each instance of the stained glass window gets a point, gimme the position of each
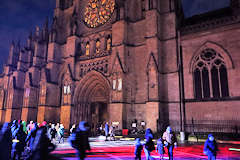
(98, 46)
(87, 49)
(98, 12)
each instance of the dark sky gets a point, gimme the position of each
(19, 17)
(192, 7)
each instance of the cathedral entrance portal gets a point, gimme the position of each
(91, 101)
(99, 115)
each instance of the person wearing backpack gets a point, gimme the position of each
(79, 140)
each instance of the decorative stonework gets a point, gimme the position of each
(100, 66)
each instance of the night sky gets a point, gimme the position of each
(19, 17)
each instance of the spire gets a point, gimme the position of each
(29, 40)
(11, 53)
(37, 32)
(46, 24)
(57, 3)
(12, 44)
(54, 23)
(30, 35)
(12, 47)
(18, 47)
(45, 30)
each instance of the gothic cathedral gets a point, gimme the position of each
(126, 61)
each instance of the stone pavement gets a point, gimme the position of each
(124, 150)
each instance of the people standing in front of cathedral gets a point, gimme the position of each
(31, 136)
(210, 148)
(106, 129)
(112, 132)
(138, 149)
(14, 126)
(24, 127)
(170, 141)
(79, 140)
(101, 129)
(5, 142)
(42, 145)
(30, 126)
(18, 144)
(149, 145)
(57, 128)
(52, 132)
(61, 131)
(160, 147)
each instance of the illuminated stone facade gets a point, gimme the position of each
(144, 62)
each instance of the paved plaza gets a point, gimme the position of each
(124, 150)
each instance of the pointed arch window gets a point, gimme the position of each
(26, 97)
(109, 44)
(114, 84)
(98, 46)
(27, 92)
(66, 93)
(210, 75)
(42, 94)
(87, 52)
(10, 98)
(117, 82)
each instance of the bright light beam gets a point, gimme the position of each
(234, 149)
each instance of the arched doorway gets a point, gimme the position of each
(91, 100)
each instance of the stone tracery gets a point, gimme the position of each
(210, 75)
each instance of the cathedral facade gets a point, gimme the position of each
(126, 61)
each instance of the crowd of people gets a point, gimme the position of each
(169, 141)
(35, 141)
(21, 141)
